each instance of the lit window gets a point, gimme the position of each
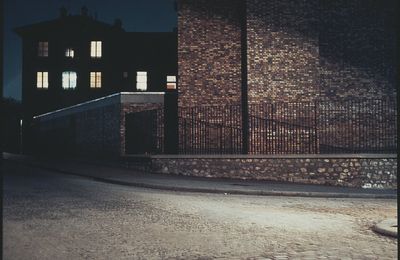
(69, 79)
(141, 80)
(95, 49)
(69, 53)
(125, 74)
(95, 79)
(171, 82)
(43, 49)
(42, 79)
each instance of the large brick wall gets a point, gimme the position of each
(282, 40)
(296, 50)
(209, 52)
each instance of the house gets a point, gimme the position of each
(76, 58)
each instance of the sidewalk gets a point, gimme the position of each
(116, 174)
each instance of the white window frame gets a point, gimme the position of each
(70, 53)
(95, 79)
(43, 49)
(69, 79)
(141, 80)
(42, 80)
(96, 49)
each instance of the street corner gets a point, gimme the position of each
(387, 227)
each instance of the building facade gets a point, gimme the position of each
(289, 51)
(76, 58)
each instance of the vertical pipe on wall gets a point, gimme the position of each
(244, 101)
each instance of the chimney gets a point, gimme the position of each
(84, 11)
(118, 23)
(63, 12)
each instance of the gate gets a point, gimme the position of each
(144, 132)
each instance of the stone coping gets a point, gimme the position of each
(266, 156)
(116, 98)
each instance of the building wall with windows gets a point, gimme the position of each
(76, 58)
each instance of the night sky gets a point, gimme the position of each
(136, 16)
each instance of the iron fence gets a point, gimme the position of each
(351, 126)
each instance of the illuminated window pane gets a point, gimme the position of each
(43, 49)
(95, 49)
(69, 53)
(125, 74)
(42, 79)
(171, 82)
(141, 80)
(95, 79)
(69, 79)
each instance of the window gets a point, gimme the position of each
(171, 82)
(141, 80)
(95, 79)
(42, 79)
(95, 49)
(69, 79)
(69, 53)
(125, 74)
(43, 49)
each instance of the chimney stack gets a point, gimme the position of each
(63, 12)
(84, 11)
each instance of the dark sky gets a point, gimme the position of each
(136, 15)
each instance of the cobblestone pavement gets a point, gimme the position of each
(53, 216)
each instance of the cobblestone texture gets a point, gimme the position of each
(51, 216)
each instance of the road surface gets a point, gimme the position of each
(48, 215)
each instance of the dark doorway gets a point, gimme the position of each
(142, 132)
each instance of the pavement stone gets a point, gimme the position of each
(116, 173)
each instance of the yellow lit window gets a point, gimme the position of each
(171, 82)
(43, 49)
(95, 49)
(95, 79)
(42, 79)
(141, 80)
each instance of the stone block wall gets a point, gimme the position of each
(345, 170)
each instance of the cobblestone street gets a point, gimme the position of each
(53, 216)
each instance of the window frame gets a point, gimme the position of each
(96, 49)
(69, 79)
(43, 83)
(141, 80)
(43, 49)
(95, 79)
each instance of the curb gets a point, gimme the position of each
(216, 191)
(387, 227)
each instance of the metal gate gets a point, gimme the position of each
(144, 132)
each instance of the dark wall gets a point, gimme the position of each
(296, 50)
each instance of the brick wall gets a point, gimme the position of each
(282, 40)
(297, 51)
(209, 52)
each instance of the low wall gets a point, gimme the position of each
(350, 170)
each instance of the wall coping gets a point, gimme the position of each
(274, 156)
(116, 98)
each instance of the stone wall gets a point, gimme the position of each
(368, 171)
